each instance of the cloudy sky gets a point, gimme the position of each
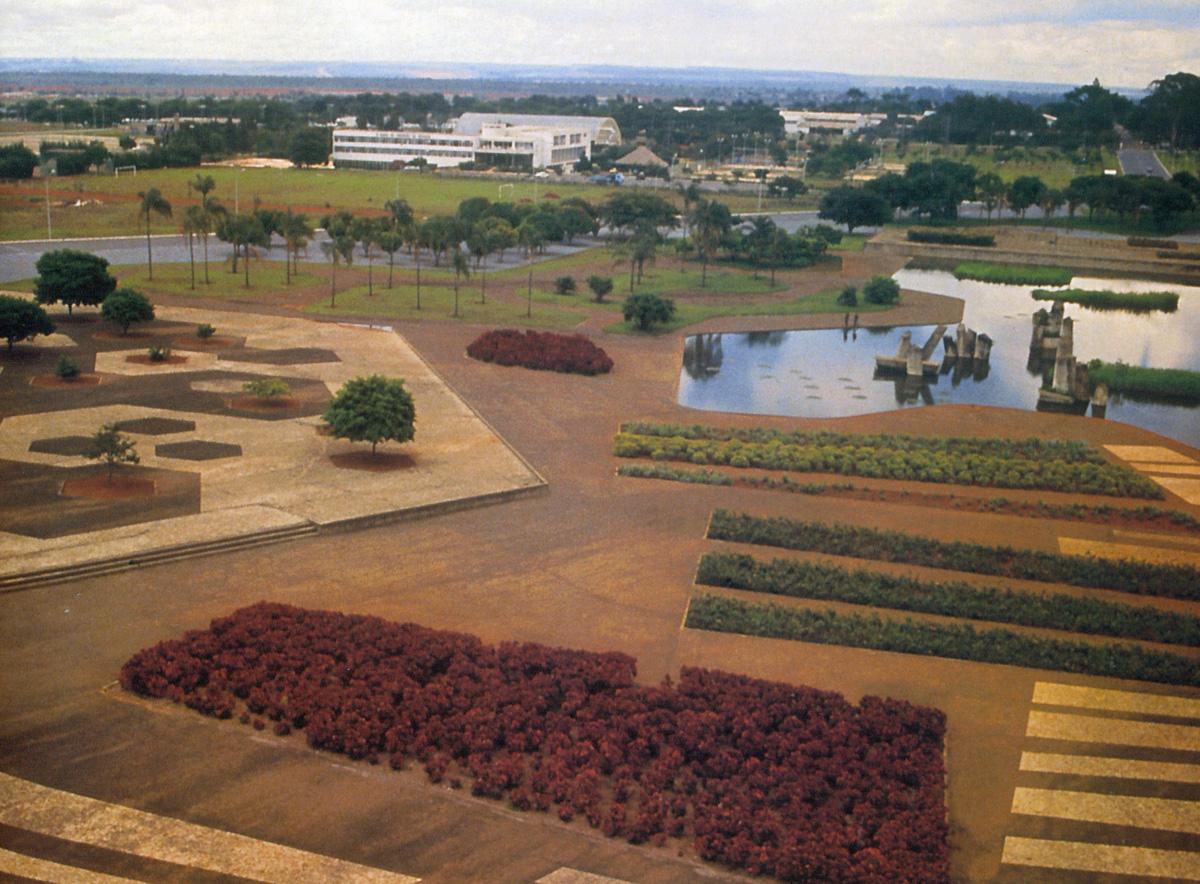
(1125, 43)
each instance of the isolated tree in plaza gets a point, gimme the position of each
(21, 319)
(854, 208)
(645, 310)
(152, 203)
(310, 146)
(71, 277)
(372, 409)
(112, 447)
(124, 307)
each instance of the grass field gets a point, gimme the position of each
(110, 202)
(1049, 164)
(175, 279)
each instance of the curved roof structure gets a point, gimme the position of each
(603, 130)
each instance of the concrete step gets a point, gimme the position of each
(172, 553)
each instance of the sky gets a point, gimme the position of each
(1126, 43)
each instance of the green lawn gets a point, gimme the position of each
(688, 314)
(437, 302)
(175, 279)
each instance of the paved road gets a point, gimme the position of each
(1141, 161)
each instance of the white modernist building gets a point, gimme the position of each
(499, 145)
(601, 130)
(802, 122)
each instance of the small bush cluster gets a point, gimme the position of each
(544, 351)
(1013, 274)
(950, 238)
(661, 471)
(1173, 581)
(66, 367)
(823, 582)
(770, 778)
(1104, 299)
(1167, 384)
(204, 331)
(159, 354)
(957, 641)
(564, 285)
(876, 457)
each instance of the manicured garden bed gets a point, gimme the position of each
(1106, 299)
(824, 582)
(988, 463)
(766, 777)
(1173, 581)
(1013, 274)
(951, 238)
(546, 351)
(961, 642)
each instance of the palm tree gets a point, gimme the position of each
(194, 224)
(339, 248)
(212, 212)
(711, 221)
(153, 203)
(204, 184)
(462, 269)
(480, 244)
(391, 241)
(530, 236)
(295, 230)
(365, 231)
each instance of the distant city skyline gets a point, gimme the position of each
(1069, 41)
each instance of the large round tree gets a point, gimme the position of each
(71, 277)
(21, 319)
(372, 409)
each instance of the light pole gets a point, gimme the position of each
(48, 169)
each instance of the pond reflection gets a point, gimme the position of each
(831, 373)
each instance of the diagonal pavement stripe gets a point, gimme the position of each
(1177, 865)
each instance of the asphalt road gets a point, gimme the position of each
(1141, 161)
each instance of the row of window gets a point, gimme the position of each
(402, 139)
(407, 151)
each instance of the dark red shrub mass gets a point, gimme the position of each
(767, 777)
(546, 351)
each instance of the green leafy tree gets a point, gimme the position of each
(854, 207)
(112, 447)
(242, 232)
(310, 146)
(1025, 192)
(124, 307)
(600, 286)
(848, 297)
(372, 409)
(72, 277)
(646, 310)
(991, 190)
(21, 319)
(881, 290)
(296, 232)
(152, 203)
(1171, 112)
(17, 161)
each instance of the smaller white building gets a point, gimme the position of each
(497, 145)
(802, 122)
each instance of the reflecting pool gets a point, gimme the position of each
(832, 373)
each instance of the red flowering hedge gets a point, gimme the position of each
(545, 351)
(767, 777)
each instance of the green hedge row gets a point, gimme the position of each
(1169, 384)
(961, 642)
(1106, 299)
(1148, 242)
(1013, 274)
(886, 463)
(660, 471)
(948, 238)
(822, 582)
(1173, 581)
(1028, 448)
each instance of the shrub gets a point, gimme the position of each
(1173, 581)
(848, 297)
(564, 285)
(814, 580)
(962, 642)
(204, 331)
(267, 388)
(951, 238)
(159, 354)
(21, 319)
(600, 286)
(646, 310)
(756, 772)
(543, 351)
(66, 367)
(881, 290)
(112, 447)
(124, 307)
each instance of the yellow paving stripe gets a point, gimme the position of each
(1099, 766)
(1178, 865)
(1177, 539)
(1167, 814)
(1153, 453)
(1174, 469)
(1188, 489)
(1086, 729)
(1052, 694)
(44, 870)
(1079, 546)
(73, 817)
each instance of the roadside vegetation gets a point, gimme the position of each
(1105, 299)
(1156, 384)
(1012, 274)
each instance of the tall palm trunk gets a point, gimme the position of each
(149, 256)
(207, 281)
(192, 258)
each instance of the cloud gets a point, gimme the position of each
(1071, 41)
